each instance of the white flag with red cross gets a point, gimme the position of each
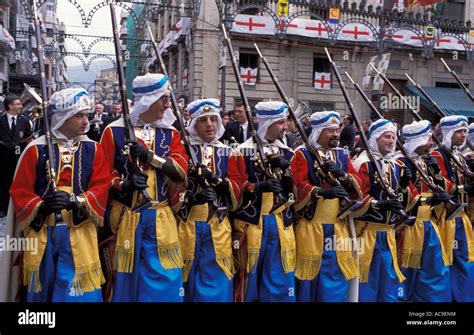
(322, 80)
(253, 24)
(248, 75)
(309, 28)
(356, 32)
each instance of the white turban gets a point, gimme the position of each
(471, 133)
(416, 134)
(65, 104)
(147, 90)
(204, 107)
(269, 112)
(451, 124)
(321, 121)
(376, 130)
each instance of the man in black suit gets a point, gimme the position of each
(14, 132)
(116, 114)
(237, 131)
(97, 119)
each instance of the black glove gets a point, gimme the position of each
(222, 188)
(331, 167)
(432, 164)
(389, 205)
(469, 189)
(138, 150)
(137, 181)
(54, 202)
(332, 193)
(209, 175)
(437, 198)
(405, 177)
(271, 185)
(205, 196)
(279, 162)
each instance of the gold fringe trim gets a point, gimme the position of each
(188, 262)
(288, 259)
(31, 276)
(92, 214)
(307, 267)
(253, 258)
(411, 259)
(124, 259)
(88, 279)
(170, 256)
(348, 266)
(226, 263)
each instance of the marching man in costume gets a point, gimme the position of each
(423, 260)
(207, 245)
(148, 260)
(323, 273)
(270, 236)
(66, 266)
(457, 234)
(380, 274)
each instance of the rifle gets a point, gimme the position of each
(347, 205)
(195, 166)
(454, 208)
(143, 199)
(460, 165)
(50, 164)
(461, 84)
(261, 160)
(405, 219)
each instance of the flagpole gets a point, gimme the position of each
(223, 69)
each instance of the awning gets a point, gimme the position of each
(453, 101)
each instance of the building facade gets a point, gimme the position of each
(294, 41)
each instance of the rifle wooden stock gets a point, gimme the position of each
(129, 133)
(174, 103)
(460, 165)
(460, 83)
(386, 188)
(245, 101)
(214, 206)
(51, 166)
(346, 203)
(427, 179)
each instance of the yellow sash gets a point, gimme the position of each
(254, 237)
(369, 235)
(413, 238)
(447, 231)
(221, 239)
(88, 274)
(310, 240)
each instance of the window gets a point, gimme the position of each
(321, 65)
(453, 9)
(321, 106)
(248, 58)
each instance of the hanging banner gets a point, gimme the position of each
(283, 8)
